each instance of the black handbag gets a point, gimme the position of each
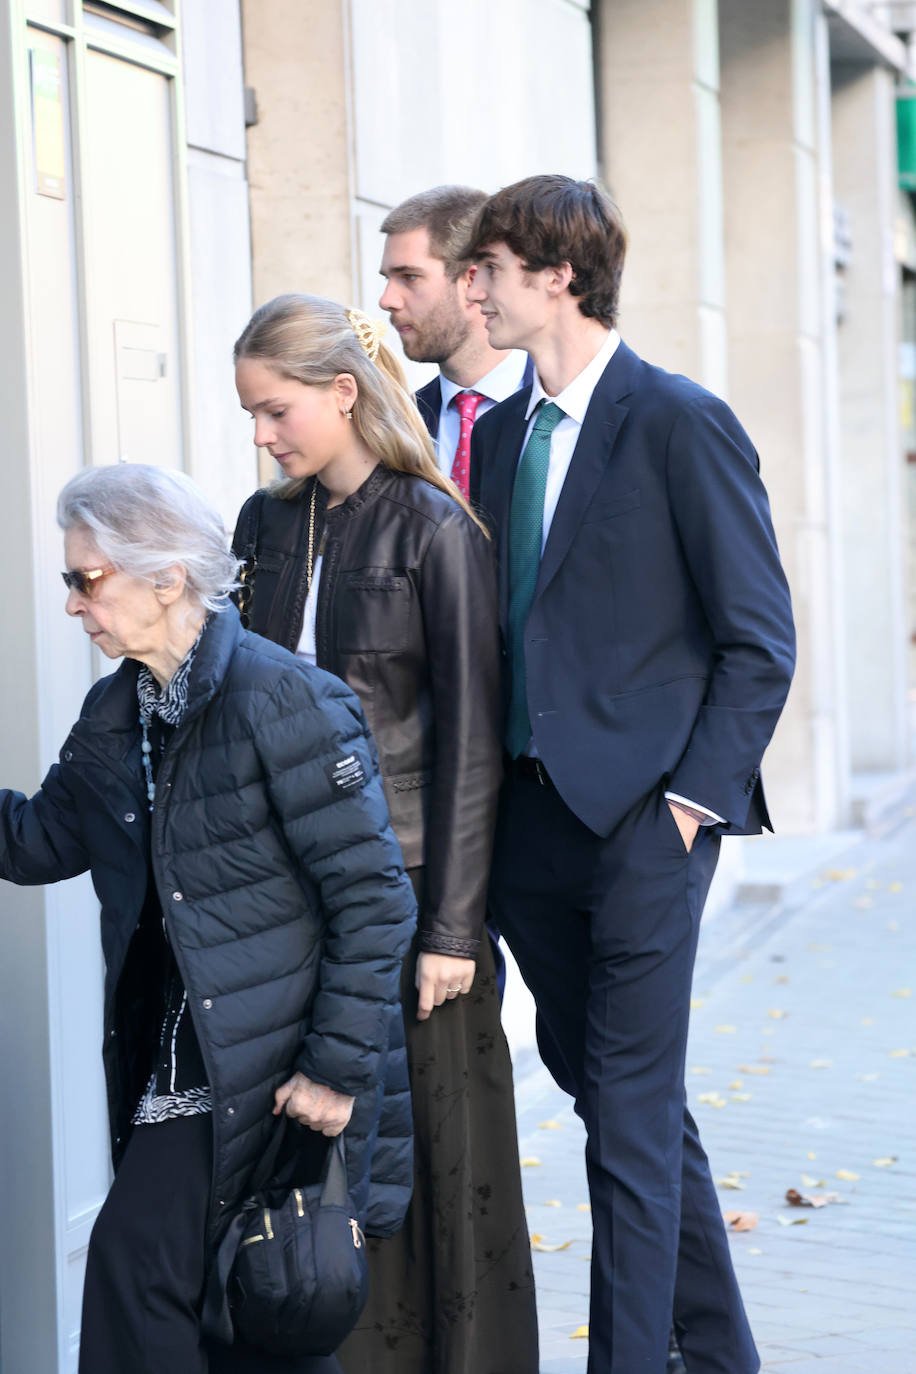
(291, 1274)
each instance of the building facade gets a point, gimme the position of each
(125, 271)
(164, 165)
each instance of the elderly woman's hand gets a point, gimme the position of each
(314, 1105)
(441, 978)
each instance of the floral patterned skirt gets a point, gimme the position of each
(453, 1291)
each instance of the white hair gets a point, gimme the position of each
(145, 519)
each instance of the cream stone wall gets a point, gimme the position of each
(779, 337)
(874, 503)
(660, 141)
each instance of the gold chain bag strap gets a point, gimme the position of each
(244, 597)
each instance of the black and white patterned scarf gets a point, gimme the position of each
(171, 703)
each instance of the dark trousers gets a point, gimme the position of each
(145, 1267)
(605, 934)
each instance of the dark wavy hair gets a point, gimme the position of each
(549, 220)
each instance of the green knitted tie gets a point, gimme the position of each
(526, 523)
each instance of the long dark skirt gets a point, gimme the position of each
(453, 1291)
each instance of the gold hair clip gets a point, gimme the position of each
(369, 332)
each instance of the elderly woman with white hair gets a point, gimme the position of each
(254, 911)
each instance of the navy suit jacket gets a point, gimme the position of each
(429, 400)
(660, 646)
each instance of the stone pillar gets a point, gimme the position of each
(864, 151)
(659, 147)
(299, 172)
(778, 251)
(299, 152)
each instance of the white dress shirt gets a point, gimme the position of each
(497, 385)
(574, 400)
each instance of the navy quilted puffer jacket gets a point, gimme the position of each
(281, 886)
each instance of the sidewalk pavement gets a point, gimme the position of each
(802, 1075)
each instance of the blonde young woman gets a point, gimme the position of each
(366, 560)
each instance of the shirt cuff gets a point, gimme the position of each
(713, 819)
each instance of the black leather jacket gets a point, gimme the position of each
(407, 617)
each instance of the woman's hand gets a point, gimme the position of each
(314, 1105)
(441, 978)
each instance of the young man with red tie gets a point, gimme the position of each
(426, 299)
(649, 651)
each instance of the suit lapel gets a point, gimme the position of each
(429, 404)
(597, 437)
(497, 481)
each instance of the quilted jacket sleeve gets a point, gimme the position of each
(322, 776)
(40, 836)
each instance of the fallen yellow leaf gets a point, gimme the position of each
(791, 1221)
(726, 1030)
(741, 1097)
(812, 1155)
(580, 1334)
(902, 992)
(553, 1202)
(698, 1069)
(898, 1054)
(583, 1206)
(730, 1181)
(809, 1182)
(847, 1175)
(550, 1126)
(713, 1099)
(740, 1221)
(753, 1068)
(747, 978)
(867, 1021)
(529, 1162)
(539, 1243)
(895, 887)
(839, 875)
(885, 1162)
(777, 1014)
(755, 1252)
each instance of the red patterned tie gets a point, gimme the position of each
(466, 403)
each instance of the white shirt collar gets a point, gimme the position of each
(574, 398)
(500, 382)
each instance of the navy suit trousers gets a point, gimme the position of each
(605, 934)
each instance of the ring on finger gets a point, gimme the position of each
(457, 989)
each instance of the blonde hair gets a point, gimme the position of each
(313, 340)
